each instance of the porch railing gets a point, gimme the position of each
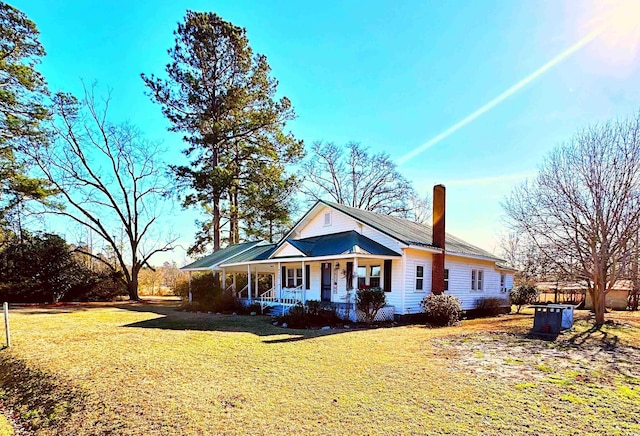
(241, 291)
(267, 297)
(291, 296)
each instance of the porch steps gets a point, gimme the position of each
(276, 310)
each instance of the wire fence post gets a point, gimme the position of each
(6, 323)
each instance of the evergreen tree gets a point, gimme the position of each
(221, 96)
(22, 109)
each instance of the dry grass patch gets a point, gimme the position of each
(146, 369)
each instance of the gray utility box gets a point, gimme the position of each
(547, 319)
(567, 314)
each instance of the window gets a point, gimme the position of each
(362, 276)
(503, 278)
(294, 277)
(291, 278)
(298, 277)
(476, 280)
(327, 219)
(419, 277)
(374, 276)
(446, 279)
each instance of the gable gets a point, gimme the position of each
(287, 250)
(316, 225)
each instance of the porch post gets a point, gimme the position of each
(249, 282)
(278, 284)
(304, 285)
(355, 282)
(190, 294)
(256, 285)
(224, 280)
(233, 284)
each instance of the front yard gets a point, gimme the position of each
(147, 369)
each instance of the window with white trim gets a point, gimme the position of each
(327, 218)
(374, 276)
(291, 277)
(419, 277)
(298, 277)
(477, 276)
(362, 277)
(503, 284)
(446, 279)
(294, 277)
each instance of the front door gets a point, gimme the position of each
(325, 282)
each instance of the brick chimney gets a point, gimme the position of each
(438, 239)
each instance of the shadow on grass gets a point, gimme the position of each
(595, 336)
(172, 319)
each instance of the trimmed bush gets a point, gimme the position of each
(296, 318)
(442, 310)
(523, 295)
(312, 314)
(369, 302)
(491, 306)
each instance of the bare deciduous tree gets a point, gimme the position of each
(352, 176)
(109, 180)
(582, 210)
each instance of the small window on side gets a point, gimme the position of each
(327, 218)
(419, 277)
(446, 279)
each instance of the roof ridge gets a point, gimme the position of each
(376, 220)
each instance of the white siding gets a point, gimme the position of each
(287, 250)
(413, 297)
(460, 280)
(394, 298)
(314, 292)
(316, 227)
(344, 223)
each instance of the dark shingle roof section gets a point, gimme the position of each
(219, 256)
(340, 243)
(259, 252)
(409, 232)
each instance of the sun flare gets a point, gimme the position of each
(619, 22)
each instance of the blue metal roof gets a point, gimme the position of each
(220, 256)
(340, 243)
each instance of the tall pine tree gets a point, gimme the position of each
(22, 109)
(222, 97)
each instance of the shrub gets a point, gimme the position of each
(490, 306)
(296, 317)
(522, 295)
(369, 302)
(442, 310)
(312, 314)
(201, 284)
(253, 307)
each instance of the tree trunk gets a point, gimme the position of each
(598, 298)
(132, 288)
(216, 223)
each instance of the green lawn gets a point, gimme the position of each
(147, 369)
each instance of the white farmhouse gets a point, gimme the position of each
(335, 249)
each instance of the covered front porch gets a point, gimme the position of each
(332, 280)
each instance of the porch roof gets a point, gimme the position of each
(259, 252)
(222, 255)
(350, 242)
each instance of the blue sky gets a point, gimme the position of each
(390, 75)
